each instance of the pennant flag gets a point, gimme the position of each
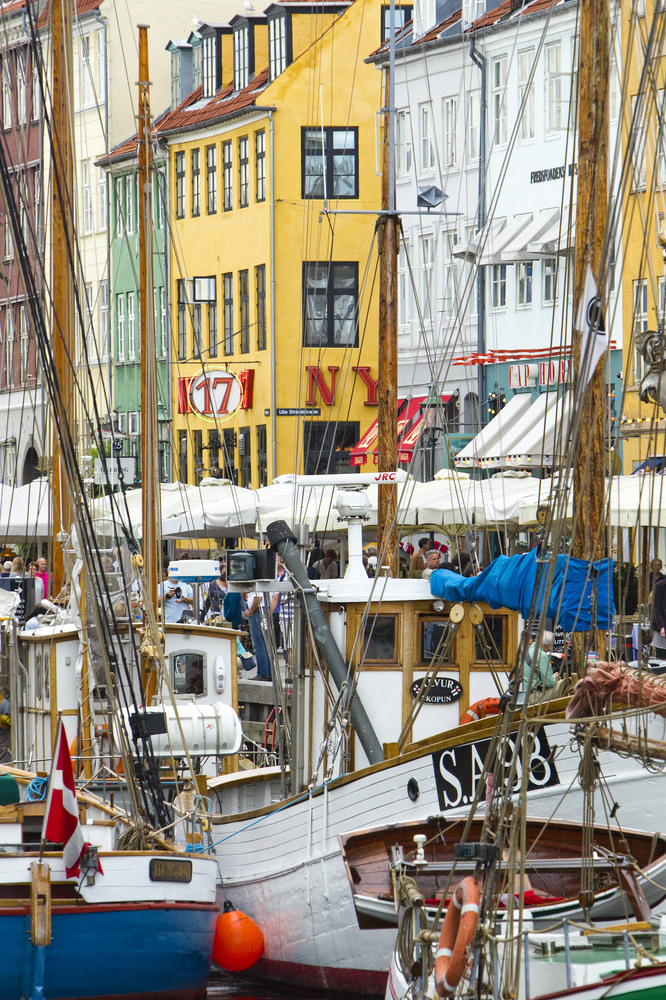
(61, 818)
(590, 323)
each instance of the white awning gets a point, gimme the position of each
(559, 237)
(490, 232)
(490, 438)
(517, 249)
(530, 436)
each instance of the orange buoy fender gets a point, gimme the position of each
(238, 942)
(480, 709)
(458, 932)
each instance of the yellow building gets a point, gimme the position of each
(644, 215)
(274, 266)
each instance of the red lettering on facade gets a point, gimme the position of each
(316, 381)
(226, 381)
(205, 385)
(246, 379)
(183, 389)
(369, 382)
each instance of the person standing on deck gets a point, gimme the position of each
(254, 619)
(417, 562)
(543, 677)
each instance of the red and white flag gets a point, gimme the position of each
(61, 818)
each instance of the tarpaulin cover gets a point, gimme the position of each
(512, 582)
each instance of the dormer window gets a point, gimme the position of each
(175, 79)
(197, 60)
(277, 46)
(403, 14)
(241, 57)
(471, 9)
(209, 52)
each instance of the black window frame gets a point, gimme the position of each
(245, 460)
(211, 179)
(182, 456)
(228, 314)
(262, 455)
(244, 310)
(228, 175)
(195, 182)
(180, 184)
(332, 292)
(407, 11)
(260, 305)
(260, 165)
(213, 345)
(229, 455)
(243, 171)
(311, 137)
(181, 300)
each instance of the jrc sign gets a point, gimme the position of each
(215, 394)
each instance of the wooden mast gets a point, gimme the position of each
(589, 473)
(387, 426)
(62, 230)
(149, 445)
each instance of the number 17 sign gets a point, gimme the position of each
(215, 394)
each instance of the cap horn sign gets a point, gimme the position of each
(216, 394)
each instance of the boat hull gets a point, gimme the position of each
(282, 864)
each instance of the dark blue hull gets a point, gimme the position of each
(153, 950)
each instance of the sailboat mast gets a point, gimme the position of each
(150, 468)
(589, 473)
(62, 230)
(387, 425)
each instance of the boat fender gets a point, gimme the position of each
(238, 942)
(458, 930)
(480, 709)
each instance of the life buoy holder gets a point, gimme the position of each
(480, 709)
(458, 930)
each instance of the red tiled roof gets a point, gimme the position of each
(11, 7)
(193, 112)
(508, 9)
(82, 7)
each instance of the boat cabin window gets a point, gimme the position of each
(432, 638)
(379, 638)
(495, 641)
(188, 673)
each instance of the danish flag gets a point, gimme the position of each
(61, 817)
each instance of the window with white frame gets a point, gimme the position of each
(89, 329)
(403, 133)
(499, 71)
(426, 139)
(404, 287)
(9, 240)
(450, 109)
(549, 273)
(119, 186)
(9, 347)
(243, 172)
(471, 9)
(102, 201)
(424, 16)
(21, 87)
(241, 57)
(175, 79)
(101, 65)
(104, 325)
(133, 423)
(197, 64)
(637, 139)
(260, 165)
(25, 342)
(211, 179)
(129, 203)
(209, 55)
(556, 89)
(6, 94)
(498, 286)
(36, 92)
(131, 327)
(277, 46)
(120, 321)
(524, 277)
(85, 79)
(449, 273)
(640, 324)
(526, 93)
(426, 252)
(86, 194)
(164, 324)
(473, 125)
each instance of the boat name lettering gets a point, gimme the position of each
(459, 769)
(442, 691)
(552, 173)
(172, 870)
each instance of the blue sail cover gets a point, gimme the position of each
(512, 582)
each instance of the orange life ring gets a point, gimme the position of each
(480, 709)
(458, 932)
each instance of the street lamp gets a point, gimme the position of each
(434, 425)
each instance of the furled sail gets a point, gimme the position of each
(520, 583)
